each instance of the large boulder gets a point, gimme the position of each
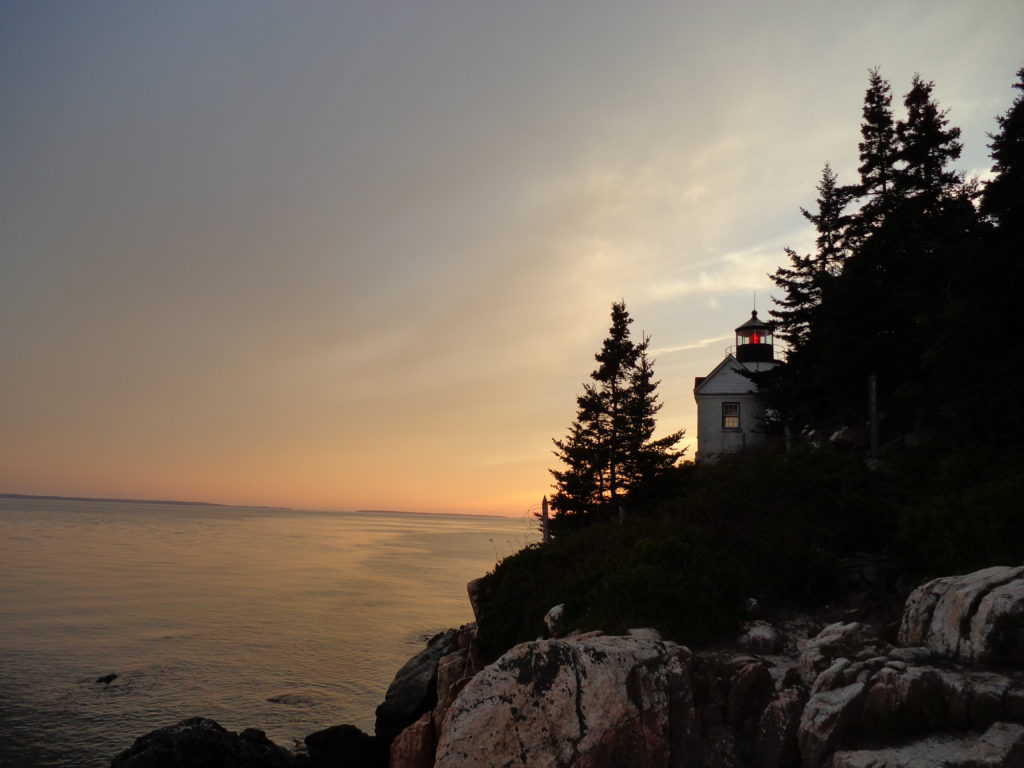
(575, 703)
(827, 718)
(202, 743)
(859, 703)
(976, 617)
(413, 692)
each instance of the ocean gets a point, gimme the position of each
(289, 621)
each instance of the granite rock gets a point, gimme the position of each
(597, 701)
(413, 692)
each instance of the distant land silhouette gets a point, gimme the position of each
(37, 497)
(128, 501)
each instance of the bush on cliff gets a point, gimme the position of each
(765, 526)
(612, 577)
(960, 510)
(769, 526)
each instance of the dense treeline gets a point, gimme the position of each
(913, 279)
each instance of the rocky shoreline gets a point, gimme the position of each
(943, 686)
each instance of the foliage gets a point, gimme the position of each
(960, 510)
(927, 144)
(610, 452)
(1004, 194)
(660, 573)
(904, 286)
(759, 525)
(769, 526)
(805, 284)
(806, 280)
(987, 317)
(878, 153)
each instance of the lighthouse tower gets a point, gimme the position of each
(729, 414)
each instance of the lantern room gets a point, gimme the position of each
(754, 343)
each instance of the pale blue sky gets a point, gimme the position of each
(346, 254)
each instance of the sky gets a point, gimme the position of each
(360, 255)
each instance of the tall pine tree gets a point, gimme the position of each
(647, 459)
(878, 154)
(610, 451)
(927, 145)
(889, 310)
(804, 281)
(1003, 200)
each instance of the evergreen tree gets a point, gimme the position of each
(927, 144)
(616, 361)
(805, 285)
(579, 487)
(878, 155)
(646, 458)
(804, 281)
(610, 450)
(987, 312)
(801, 295)
(889, 309)
(1003, 200)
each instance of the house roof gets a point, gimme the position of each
(725, 379)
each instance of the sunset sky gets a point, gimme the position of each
(361, 254)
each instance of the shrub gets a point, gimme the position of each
(758, 525)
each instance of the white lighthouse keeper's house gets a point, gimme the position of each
(729, 413)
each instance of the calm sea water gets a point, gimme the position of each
(287, 621)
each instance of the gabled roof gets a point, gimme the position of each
(726, 379)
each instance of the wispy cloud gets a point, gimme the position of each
(740, 271)
(701, 344)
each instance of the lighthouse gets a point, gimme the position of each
(730, 416)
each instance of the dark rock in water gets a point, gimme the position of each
(346, 745)
(107, 679)
(293, 700)
(413, 692)
(202, 743)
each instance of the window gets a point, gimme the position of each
(730, 415)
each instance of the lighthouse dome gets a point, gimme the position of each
(754, 342)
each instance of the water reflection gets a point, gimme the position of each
(288, 621)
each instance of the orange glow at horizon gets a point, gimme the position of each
(361, 256)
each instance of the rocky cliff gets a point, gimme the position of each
(949, 692)
(945, 690)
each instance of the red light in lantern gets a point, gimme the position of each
(755, 338)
